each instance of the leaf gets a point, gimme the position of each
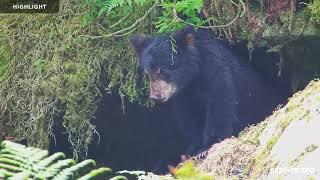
(86, 19)
(20, 162)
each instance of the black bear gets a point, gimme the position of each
(211, 90)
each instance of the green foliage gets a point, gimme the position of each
(108, 5)
(46, 77)
(5, 57)
(20, 162)
(188, 171)
(100, 7)
(315, 11)
(169, 20)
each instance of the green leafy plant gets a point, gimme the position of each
(108, 5)
(315, 11)
(188, 171)
(169, 19)
(99, 7)
(21, 162)
(5, 57)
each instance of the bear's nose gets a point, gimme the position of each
(156, 97)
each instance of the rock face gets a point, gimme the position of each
(285, 145)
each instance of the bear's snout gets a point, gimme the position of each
(156, 98)
(161, 91)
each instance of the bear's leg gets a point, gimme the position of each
(218, 122)
(188, 125)
(220, 107)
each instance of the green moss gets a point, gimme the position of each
(309, 148)
(260, 162)
(253, 133)
(294, 112)
(291, 106)
(284, 123)
(5, 57)
(272, 141)
(188, 171)
(314, 8)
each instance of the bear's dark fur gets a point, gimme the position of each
(211, 90)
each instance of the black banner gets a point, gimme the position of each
(29, 6)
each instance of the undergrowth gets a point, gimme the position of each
(188, 171)
(20, 162)
(315, 11)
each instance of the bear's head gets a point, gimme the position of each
(170, 62)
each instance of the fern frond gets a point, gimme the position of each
(51, 159)
(10, 168)
(119, 178)
(20, 176)
(69, 172)
(39, 155)
(109, 5)
(10, 161)
(20, 162)
(54, 169)
(96, 173)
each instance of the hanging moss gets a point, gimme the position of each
(53, 71)
(315, 11)
(5, 57)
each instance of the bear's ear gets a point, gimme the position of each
(139, 43)
(189, 39)
(185, 36)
